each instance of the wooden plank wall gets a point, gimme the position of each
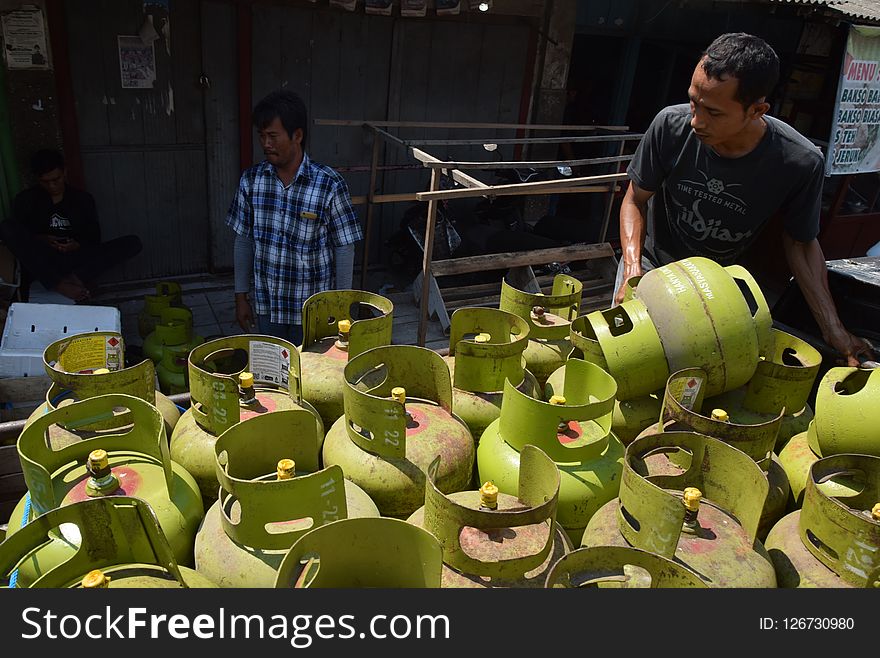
(143, 150)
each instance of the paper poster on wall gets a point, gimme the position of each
(24, 39)
(137, 63)
(854, 146)
(379, 7)
(417, 8)
(448, 7)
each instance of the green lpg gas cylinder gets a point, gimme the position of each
(491, 539)
(172, 370)
(683, 411)
(118, 543)
(398, 418)
(847, 420)
(174, 330)
(485, 349)
(168, 294)
(575, 432)
(133, 461)
(272, 491)
(549, 318)
(619, 567)
(337, 326)
(660, 510)
(692, 312)
(87, 365)
(232, 379)
(363, 553)
(834, 540)
(783, 379)
(630, 416)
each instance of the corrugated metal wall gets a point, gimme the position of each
(352, 66)
(164, 163)
(143, 149)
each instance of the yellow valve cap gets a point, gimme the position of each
(720, 415)
(98, 459)
(489, 495)
(482, 338)
(286, 469)
(95, 580)
(875, 512)
(246, 379)
(101, 371)
(399, 394)
(344, 326)
(692, 497)
(557, 399)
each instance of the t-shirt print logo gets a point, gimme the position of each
(57, 221)
(703, 228)
(715, 191)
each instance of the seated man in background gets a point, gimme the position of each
(55, 234)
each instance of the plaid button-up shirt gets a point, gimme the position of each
(295, 230)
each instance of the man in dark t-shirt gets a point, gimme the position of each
(55, 234)
(708, 176)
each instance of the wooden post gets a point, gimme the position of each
(609, 204)
(371, 206)
(426, 260)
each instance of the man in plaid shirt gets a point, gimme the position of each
(294, 224)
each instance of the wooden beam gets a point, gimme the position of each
(548, 187)
(385, 198)
(525, 164)
(371, 206)
(426, 261)
(573, 252)
(465, 125)
(457, 176)
(574, 139)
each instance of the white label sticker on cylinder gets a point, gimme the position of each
(269, 362)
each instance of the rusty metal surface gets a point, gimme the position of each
(474, 539)
(795, 565)
(651, 513)
(193, 447)
(397, 484)
(619, 567)
(112, 532)
(372, 552)
(478, 410)
(629, 417)
(231, 564)
(483, 367)
(722, 555)
(835, 522)
(683, 408)
(323, 311)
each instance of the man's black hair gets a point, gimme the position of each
(287, 106)
(46, 160)
(747, 58)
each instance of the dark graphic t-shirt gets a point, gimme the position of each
(712, 206)
(75, 216)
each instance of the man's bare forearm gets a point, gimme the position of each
(633, 221)
(807, 263)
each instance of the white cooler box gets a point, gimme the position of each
(30, 328)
